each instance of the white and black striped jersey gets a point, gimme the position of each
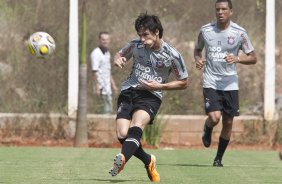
(152, 65)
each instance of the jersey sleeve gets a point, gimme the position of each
(200, 43)
(127, 50)
(95, 60)
(246, 44)
(178, 66)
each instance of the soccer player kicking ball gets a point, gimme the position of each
(222, 41)
(141, 93)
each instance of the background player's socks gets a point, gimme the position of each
(222, 145)
(132, 142)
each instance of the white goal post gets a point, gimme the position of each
(73, 59)
(269, 82)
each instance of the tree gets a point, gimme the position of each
(81, 135)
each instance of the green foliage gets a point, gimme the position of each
(279, 131)
(153, 132)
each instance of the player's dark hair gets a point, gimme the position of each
(227, 1)
(151, 22)
(103, 32)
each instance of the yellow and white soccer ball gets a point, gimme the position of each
(41, 44)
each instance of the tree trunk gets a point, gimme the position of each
(81, 134)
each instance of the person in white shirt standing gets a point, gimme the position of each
(101, 67)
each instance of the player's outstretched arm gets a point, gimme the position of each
(119, 60)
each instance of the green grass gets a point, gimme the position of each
(91, 165)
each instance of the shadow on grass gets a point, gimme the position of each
(111, 180)
(206, 165)
(105, 180)
(187, 165)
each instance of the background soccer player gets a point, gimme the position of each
(141, 93)
(222, 41)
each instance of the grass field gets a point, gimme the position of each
(90, 165)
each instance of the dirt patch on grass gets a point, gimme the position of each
(93, 144)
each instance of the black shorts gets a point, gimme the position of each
(132, 99)
(217, 100)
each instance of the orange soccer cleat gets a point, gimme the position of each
(151, 170)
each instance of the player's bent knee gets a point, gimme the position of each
(214, 117)
(215, 120)
(121, 134)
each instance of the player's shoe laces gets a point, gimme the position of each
(217, 163)
(151, 170)
(206, 137)
(119, 162)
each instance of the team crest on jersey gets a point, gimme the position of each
(231, 40)
(160, 64)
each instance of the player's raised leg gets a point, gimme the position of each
(132, 145)
(148, 160)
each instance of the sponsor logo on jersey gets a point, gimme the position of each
(231, 40)
(144, 72)
(216, 54)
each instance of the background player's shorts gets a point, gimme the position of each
(132, 99)
(217, 100)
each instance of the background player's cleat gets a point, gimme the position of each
(206, 137)
(119, 162)
(217, 163)
(151, 170)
